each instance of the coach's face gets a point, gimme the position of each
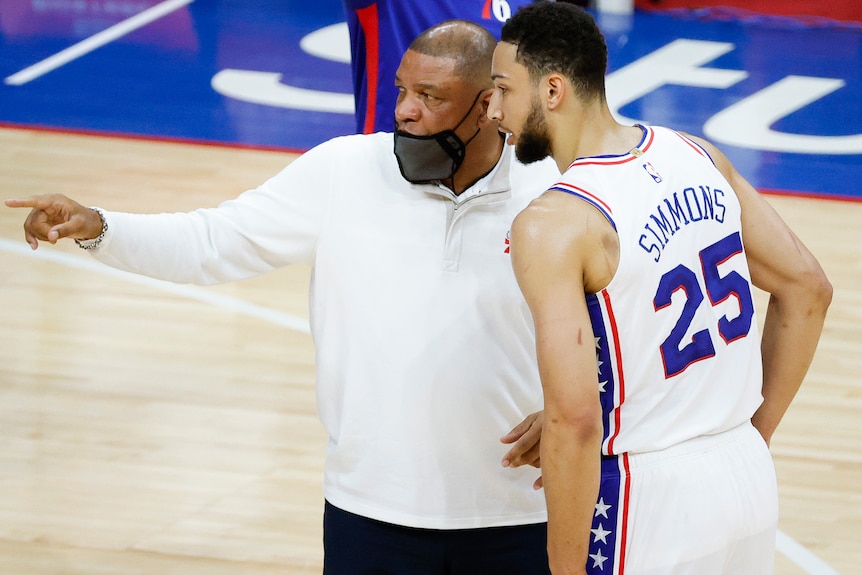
(432, 98)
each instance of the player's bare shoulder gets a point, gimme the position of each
(545, 221)
(558, 227)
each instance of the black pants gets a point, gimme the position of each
(355, 545)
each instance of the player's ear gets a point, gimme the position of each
(554, 88)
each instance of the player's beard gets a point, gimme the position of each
(534, 141)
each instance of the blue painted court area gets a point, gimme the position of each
(781, 98)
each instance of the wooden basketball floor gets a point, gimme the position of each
(149, 428)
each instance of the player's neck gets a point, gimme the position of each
(591, 131)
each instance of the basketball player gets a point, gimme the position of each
(638, 266)
(425, 349)
(380, 31)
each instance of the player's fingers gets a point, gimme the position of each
(519, 430)
(524, 452)
(515, 434)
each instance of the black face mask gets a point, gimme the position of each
(424, 159)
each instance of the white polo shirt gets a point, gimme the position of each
(424, 345)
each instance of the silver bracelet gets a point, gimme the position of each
(90, 244)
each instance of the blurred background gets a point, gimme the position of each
(775, 83)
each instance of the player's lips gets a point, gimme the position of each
(510, 137)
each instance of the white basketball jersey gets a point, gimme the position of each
(676, 333)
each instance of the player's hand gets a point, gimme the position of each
(525, 439)
(54, 216)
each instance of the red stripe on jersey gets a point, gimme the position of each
(614, 161)
(649, 137)
(694, 146)
(577, 190)
(624, 525)
(369, 21)
(618, 358)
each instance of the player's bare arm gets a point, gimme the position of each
(54, 216)
(555, 244)
(800, 294)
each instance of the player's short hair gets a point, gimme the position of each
(560, 37)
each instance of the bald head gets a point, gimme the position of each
(471, 47)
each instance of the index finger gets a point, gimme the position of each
(524, 451)
(519, 430)
(29, 202)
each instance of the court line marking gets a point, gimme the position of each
(95, 41)
(789, 547)
(197, 293)
(798, 554)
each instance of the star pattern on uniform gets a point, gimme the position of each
(599, 363)
(600, 537)
(601, 534)
(602, 508)
(601, 549)
(598, 559)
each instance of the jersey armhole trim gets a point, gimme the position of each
(591, 199)
(696, 147)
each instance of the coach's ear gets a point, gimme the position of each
(485, 102)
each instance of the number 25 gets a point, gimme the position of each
(718, 288)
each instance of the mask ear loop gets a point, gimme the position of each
(460, 147)
(467, 115)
